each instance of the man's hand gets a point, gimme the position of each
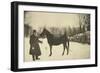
(41, 42)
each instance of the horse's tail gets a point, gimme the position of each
(66, 38)
(67, 41)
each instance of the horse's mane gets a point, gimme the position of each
(48, 32)
(56, 36)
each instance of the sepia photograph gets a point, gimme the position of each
(52, 36)
(56, 36)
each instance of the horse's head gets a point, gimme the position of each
(44, 32)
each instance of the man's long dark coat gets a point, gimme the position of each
(34, 45)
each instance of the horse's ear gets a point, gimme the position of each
(44, 28)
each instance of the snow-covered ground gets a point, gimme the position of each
(77, 51)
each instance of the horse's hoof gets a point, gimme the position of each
(33, 59)
(62, 54)
(50, 55)
(67, 53)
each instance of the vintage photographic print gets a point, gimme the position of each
(52, 36)
(56, 36)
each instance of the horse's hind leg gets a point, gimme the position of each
(67, 49)
(50, 50)
(64, 49)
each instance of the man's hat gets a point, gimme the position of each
(34, 31)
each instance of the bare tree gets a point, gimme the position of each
(84, 22)
(27, 30)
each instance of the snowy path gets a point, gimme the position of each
(77, 51)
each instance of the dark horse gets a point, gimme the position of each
(52, 40)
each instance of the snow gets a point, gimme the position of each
(77, 51)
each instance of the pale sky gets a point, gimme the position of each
(51, 19)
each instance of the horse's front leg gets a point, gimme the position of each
(50, 50)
